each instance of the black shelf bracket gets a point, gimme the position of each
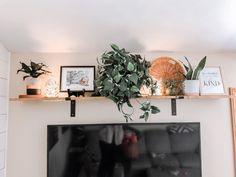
(72, 106)
(174, 105)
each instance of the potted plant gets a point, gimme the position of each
(120, 78)
(192, 84)
(33, 71)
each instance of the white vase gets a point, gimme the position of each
(33, 86)
(191, 87)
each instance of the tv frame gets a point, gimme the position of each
(97, 124)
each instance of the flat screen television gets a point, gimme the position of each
(124, 150)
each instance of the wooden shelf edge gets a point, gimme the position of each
(55, 99)
(101, 98)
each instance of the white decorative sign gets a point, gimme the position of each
(211, 82)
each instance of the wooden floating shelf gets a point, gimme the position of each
(74, 99)
(55, 99)
(101, 98)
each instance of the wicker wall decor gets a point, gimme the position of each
(169, 74)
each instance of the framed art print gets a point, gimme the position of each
(77, 78)
(211, 82)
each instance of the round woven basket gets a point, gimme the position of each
(169, 74)
(165, 68)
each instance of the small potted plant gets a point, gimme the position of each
(192, 84)
(33, 71)
(121, 75)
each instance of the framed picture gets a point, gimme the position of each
(211, 82)
(77, 78)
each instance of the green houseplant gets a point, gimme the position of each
(120, 78)
(191, 84)
(33, 71)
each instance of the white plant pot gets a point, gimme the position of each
(191, 87)
(33, 86)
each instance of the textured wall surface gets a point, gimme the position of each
(4, 70)
(27, 142)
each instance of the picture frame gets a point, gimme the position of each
(211, 82)
(77, 78)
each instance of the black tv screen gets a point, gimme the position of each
(124, 150)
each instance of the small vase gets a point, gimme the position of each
(33, 86)
(191, 87)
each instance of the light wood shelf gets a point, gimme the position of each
(55, 99)
(103, 98)
(74, 99)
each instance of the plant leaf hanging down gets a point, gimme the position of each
(120, 78)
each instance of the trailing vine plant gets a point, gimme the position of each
(120, 78)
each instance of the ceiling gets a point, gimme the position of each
(138, 25)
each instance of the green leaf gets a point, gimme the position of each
(115, 91)
(108, 85)
(145, 106)
(39, 66)
(119, 106)
(186, 67)
(110, 53)
(26, 68)
(130, 66)
(138, 56)
(115, 99)
(46, 71)
(154, 110)
(143, 109)
(121, 94)
(122, 86)
(115, 47)
(141, 117)
(117, 78)
(190, 70)
(97, 83)
(189, 75)
(199, 68)
(129, 104)
(120, 68)
(26, 77)
(114, 72)
(20, 70)
(128, 94)
(133, 78)
(134, 89)
(127, 117)
(146, 115)
(33, 65)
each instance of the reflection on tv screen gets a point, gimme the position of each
(124, 150)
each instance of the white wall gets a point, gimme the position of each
(4, 75)
(28, 121)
